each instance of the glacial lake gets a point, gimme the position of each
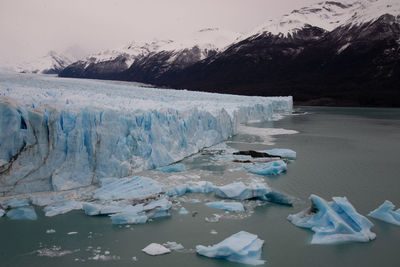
(352, 152)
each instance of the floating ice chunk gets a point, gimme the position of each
(62, 207)
(282, 152)
(240, 191)
(229, 206)
(156, 249)
(333, 222)
(177, 191)
(128, 188)
(72, 233)
(199, 187)
(140, 214)
(269, 168)
(171, 245)
(241, 247)
(178, 167)
(279, 198)
(92, 208)
(213, 219)
(50, 231)
(386, 212)
(213, 232)
(22, 213)
(15, 203)
(183, 211)
(2, 213)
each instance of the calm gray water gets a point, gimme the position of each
(350, 152)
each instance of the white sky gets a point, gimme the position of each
(31, 28)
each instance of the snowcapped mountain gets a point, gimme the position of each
(167, 54)
(52, 63)
(328, 53)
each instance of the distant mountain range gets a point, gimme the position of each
(329, 53)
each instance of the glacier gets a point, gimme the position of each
(333, 222)
(59, 134)
(386, 212)
(242, 247)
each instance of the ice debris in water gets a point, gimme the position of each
(72, 233)
(386, 212)
(183, 211)
(213, 219)
(15, 203)
(228, 206)
(178, 167)
(333, 222)
(140, 213)
(171, 245)
(128, 188)
(156, 249)
(50, 231)
(62, 207)
(282, 152)
(22, 213)
(1, 212)
(241, 247)
(269, 168)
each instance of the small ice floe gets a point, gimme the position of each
(62, 207)
(213, 219)
(50, 231)
(386, 212)
(183, 211)
(127, 188)
(22, 213)
(213, 232)
(281, 152)
(228, 206)
(2, 212)
(171, 245)
(178, 167)
(270, 168)
(333, 222)
(156, 249)
(54, 251)
(15, 203)
(241, 247)
(72, 233)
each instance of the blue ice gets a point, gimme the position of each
(183, 211)
(333, 222)
(228, 206)
(177, 191)
(269, 168)
(241, 247)
(111, 207)
(178, 167)
(22, 213)
(128, 188)
(386, 212)
(62, 207)
(15, 203)
(240, 191)
(199, 187)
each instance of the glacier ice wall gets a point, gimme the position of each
(59, 134)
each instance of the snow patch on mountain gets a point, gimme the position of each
(52, 63)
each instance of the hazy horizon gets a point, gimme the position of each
(30, 29)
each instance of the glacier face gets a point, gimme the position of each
(58, 134)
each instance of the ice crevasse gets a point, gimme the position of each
(59, 134)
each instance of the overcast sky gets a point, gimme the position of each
(30, 28)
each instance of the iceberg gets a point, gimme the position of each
(171, 245)
(156, 249)
(228, 206)
(241, 247)
(128, 188)
(333, 222)
(240, 191)
(15, 203)
(59, 134)
(178, 167)
(62, 207)
(140, 213)
(269, 168)
(22, 213)
(204, 187)
(182, 211)
(386, 212)
(281, 152)
(177, 191)
(111, 207)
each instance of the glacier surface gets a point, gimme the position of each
(241, 247)
(59, 134)
(333, 222)
(386, 212)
